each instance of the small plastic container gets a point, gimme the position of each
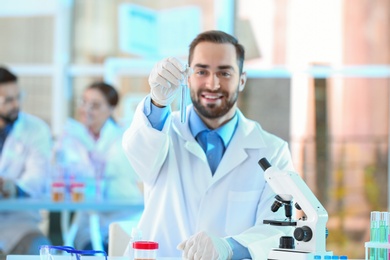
(136, 235)
(145, 250)
(77, 191)
(58, 191)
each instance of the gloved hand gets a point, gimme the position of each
(164, 80)
(205, 246)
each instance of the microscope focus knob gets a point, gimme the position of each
(303, 234)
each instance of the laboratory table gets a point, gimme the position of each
(63, 257)
(88, 205)
(91, 206)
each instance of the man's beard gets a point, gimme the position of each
(11, 117)
(213, 111)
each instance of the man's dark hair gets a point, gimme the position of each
(6, 76)
(219, 37)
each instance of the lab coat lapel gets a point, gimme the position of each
(244, 138)
(194, 148)
(12, 147)
(190, 143)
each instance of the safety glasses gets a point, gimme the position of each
(47, 252)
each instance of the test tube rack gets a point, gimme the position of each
(375, 245)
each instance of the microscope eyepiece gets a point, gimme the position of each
(264, 164)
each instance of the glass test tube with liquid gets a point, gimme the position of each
(383, 235)
(374, 233)
(183, 98)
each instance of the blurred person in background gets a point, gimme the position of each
(91, 149)
(25, 147)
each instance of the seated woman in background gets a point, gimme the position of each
(90, 151)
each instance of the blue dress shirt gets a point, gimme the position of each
(213, 142)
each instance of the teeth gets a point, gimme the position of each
(211, 97)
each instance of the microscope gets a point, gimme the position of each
(310, 230)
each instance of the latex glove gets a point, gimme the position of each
(205, 246)
(164, 80)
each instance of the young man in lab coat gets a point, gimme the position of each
(25, 147)
(205, 193)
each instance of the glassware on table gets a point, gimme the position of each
(58, 191)
(47, 252)
(77, 190)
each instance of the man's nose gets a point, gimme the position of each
(213, 82)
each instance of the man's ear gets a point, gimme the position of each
(242, 81)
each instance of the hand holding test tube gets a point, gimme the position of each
(166, 79)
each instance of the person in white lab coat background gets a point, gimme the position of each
(93, 142)
(25, 146)
(205, 193)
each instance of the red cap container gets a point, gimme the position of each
(145, 250)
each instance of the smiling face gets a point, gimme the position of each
(216, 82)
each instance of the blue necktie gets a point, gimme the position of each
(214, 149)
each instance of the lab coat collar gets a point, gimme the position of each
(18, 126)
(183, 131)
(246, 137)
(225, 132)
(15, 136)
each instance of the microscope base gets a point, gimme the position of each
(291, 254)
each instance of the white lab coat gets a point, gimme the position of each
(120, 180)
(26, 159)
(181, 196)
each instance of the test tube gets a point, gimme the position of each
(383, 235)
(183, 101)
(388, 250)
(374, 233)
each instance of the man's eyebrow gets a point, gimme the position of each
(226, 67)
(203, 66)
(222, 67)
